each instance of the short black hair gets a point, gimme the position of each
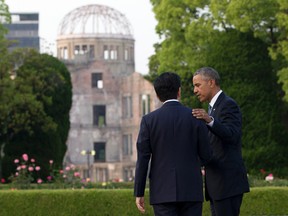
(167, 85)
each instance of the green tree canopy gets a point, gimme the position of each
(38, 120)
(4, 18)
(268, 20)
(34, 104)
(225, 35)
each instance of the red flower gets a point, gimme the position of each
(263, 171)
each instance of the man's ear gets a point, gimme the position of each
(179, 93)
(211, 83)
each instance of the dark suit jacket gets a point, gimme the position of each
(174, 140)
(226, 174)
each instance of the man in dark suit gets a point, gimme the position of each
(175, 142)
(225, 176)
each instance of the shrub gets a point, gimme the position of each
(27, 172)
(260, 201)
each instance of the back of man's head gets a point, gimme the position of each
(167, 86)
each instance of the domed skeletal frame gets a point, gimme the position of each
(95, 20)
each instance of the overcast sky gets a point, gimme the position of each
(138, 12)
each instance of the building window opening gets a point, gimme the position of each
(97, 80)
(101, 174)
(145, 104)
(77, 50)
(127, 145)
(65, 53)
(85, 173)
(106, 52)
(127, 107)
(99, 115)
(126, 54)
(114, 52)
(84, 49)
(99, 148)
(129, 174)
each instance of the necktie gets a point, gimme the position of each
(209, 109)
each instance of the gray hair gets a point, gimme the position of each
(209, 73)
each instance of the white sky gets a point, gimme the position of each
(138, 12)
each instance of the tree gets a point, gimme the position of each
(268, 20)
(38, 122)
(4, 108)
(4, 18)
(34, 107)
(205, 33)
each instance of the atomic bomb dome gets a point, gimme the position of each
(97, 33)
(96, 20)
(109, 98)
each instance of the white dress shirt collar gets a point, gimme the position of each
(212, 102)
(170, 100)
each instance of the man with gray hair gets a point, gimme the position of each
(225, 176)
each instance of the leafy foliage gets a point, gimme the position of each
(233, 37)
(38, 102)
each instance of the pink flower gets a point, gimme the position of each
(16, 161)
(49, 178)
(51, 161)
(76, 174)
(23, 166)
(67, 168)
(19, 168)
(25, 157)
(3, 181)
(270, 177)
(32, 160)
(30, 168)
(39, 181)
(61, 171)
(203, 172)
(37, 168)
(16, 174)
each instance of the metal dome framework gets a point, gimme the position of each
(96, 20)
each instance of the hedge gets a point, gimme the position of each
(120, 202)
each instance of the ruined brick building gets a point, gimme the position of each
(109, 98)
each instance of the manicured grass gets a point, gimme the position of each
(120, 202)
